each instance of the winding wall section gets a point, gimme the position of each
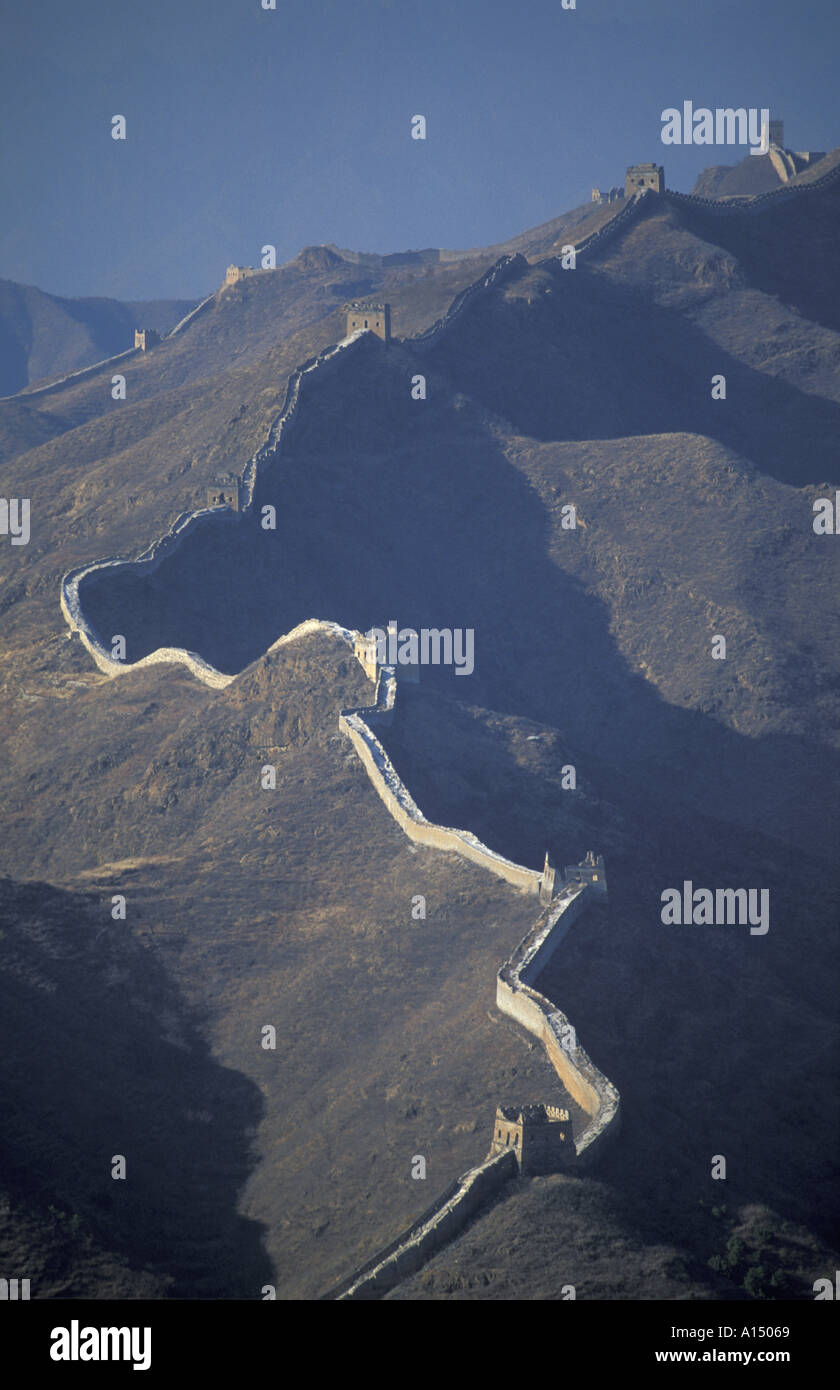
(516, 994)
(357, 725)
(151, 558)
(440, 1223)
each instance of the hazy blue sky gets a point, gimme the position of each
(291, 126)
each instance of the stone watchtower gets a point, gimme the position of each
(366, 314)
(364, 650)
(235, 273)
(643, 176)
(611, 195)
(225, 490)
(371, 650)
(590, 870)
(539, 1135)
(144, 338)
(777, 133)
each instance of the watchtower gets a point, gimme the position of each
(225, 490)
(539, 1135)
(144, 338)
(777, 133)
(643, 176)
(366, 314)
(591, 870)
(364, 650)
(235, 273)
(380, 647)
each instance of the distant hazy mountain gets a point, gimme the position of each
(42, 335)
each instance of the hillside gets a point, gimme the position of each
(292, 907)
(293, 917)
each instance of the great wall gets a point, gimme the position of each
(516, 994)
(151, 558)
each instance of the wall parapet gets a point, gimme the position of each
(631, 209)
(506, 267)
(193, 314)
(27, 394)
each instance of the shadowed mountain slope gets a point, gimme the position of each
(715, 1001)
(676, 538)
(554, 351)
(100, 1058)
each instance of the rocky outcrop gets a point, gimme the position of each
(785, 193)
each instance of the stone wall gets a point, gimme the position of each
(648, 202)
(503, 270)
(356, 723)
(630, 209)
(506, 267)
(193, 314)
(517, 997)
(151, 558)
(81, 375)
(784, 194)
(783, 163)
(438, 1225)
